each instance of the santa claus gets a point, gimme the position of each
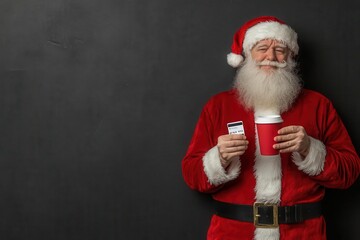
(268, 197)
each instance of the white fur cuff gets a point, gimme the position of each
(215, 172)
(314, 162)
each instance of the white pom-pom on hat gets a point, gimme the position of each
(234, 60)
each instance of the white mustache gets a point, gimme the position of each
(272, 63)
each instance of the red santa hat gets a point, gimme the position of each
(257, 29)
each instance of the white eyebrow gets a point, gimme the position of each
(280, 45)
(262, 45)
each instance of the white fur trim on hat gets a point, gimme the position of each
(313, 164)
(271, 30)
(215, 172)
(234, 60)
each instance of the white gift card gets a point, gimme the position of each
(236, 127)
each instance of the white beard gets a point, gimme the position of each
(272, 91)
(267, 92)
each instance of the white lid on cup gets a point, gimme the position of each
(268, 119)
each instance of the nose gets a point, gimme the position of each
(270, 54)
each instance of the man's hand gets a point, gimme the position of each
(231, 146)
(293, 139)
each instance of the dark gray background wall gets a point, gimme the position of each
(99, 98)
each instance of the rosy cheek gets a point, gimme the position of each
(259, 57)
(281, 57)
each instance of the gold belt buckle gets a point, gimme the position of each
(275, 223)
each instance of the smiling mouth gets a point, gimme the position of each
(267, 67)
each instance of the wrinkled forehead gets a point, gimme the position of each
(270, 42)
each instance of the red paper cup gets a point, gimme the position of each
(267, 128)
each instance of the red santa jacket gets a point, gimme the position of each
(331, 163)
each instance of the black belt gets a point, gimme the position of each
(268, 215)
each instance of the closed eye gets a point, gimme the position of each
(280, 50)
(263, 49)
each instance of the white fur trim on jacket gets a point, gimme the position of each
(267, 234)
(268, 178)
(215, 172)
(314, 162)
(267, 170)
(268, 189)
